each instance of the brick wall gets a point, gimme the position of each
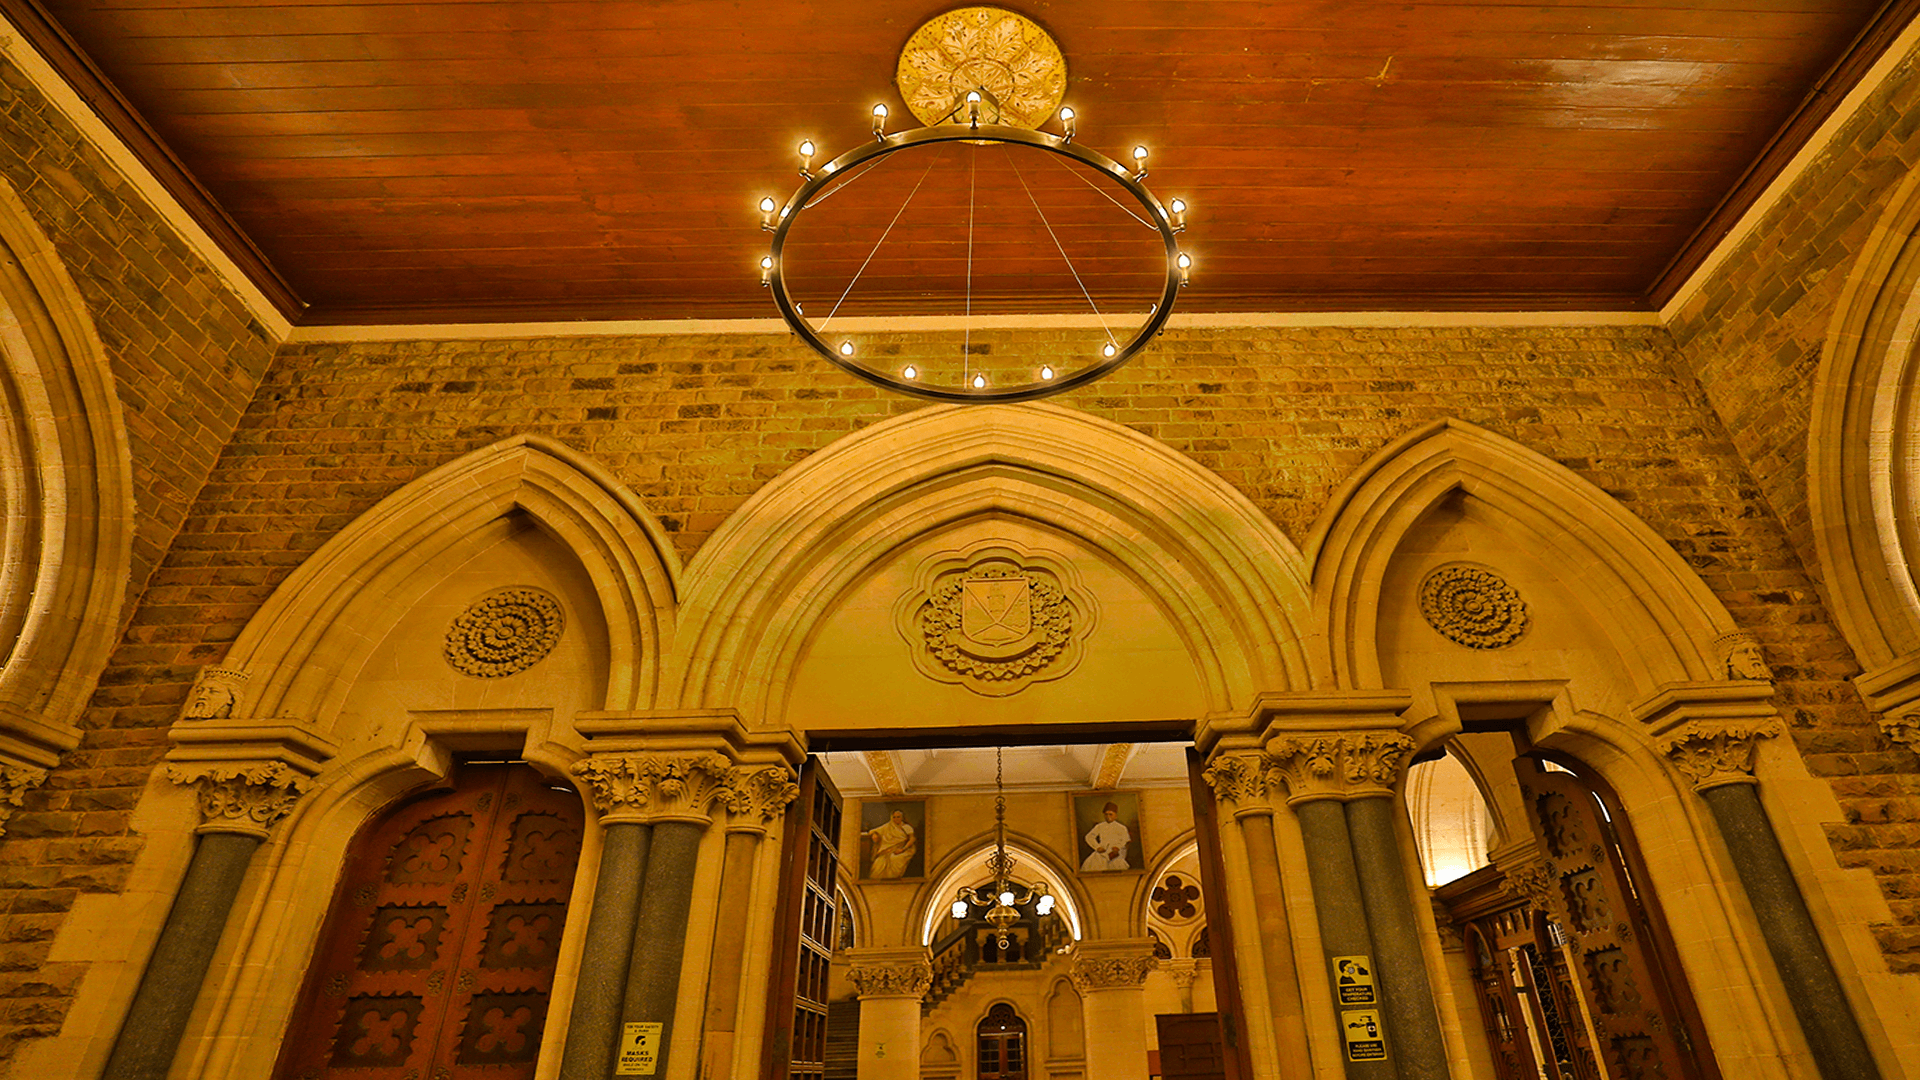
(186, 358)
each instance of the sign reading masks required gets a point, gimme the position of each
(639, 1050)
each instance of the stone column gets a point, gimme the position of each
(892, 983)
(1244, 784)
(620, 795)
(1111, 977)
(758, 798)
(1360, 894)
(684, 789)
(1718, 759)
(239, 802)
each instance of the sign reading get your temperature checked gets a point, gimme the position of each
(1359, 1028)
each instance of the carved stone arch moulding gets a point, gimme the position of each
(286, 662)
(1863, 451)
(66, 538)
(1660, 617)
(996, 618)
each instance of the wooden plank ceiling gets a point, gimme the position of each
(514, 159)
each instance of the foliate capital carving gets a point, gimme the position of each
(1534, 883)
(1339, 766)
(244, 797)
(1714, 755)
(647, 787)
(1111, 972)
(215, 694)
(757, 796)
(14, 781)
(1243, 780)
(908, 979)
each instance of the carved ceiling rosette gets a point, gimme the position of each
(906, 979)
(245, 797)
(1714, 755)
(1350, 765)
(996, 619)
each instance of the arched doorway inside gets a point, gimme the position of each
(1002, 1044)
(438, 953)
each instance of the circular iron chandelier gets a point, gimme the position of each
(964, 125)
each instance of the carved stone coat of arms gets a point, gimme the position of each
(996, 620)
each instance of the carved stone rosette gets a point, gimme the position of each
(1111, 972)
(909, 979)
(1339, 766)
(14, 782)
(1244, 780)
(244, 797)
(1714, 755)
(504, 632)
(1473, 606)
(650, 787)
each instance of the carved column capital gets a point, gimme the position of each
(652, 787)
(15, 779)
(1111, 972)
(1714, 755)
(1244, 780)
(1339, 765)
(892, 973)
(244, 797)
(757, 796)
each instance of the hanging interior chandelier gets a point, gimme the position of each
(1003, 898)
(980, 78)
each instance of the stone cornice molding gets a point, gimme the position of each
(1339, 765)
(1714, 755)
(662, 730)
(891, 973)
(1095, 971)
(243, 797)
(1243, 780)
(1674, 705)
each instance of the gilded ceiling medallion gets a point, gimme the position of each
(1016, 66)
(995, 620)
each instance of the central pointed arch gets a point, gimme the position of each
(1228, 579)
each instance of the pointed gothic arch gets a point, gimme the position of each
(303, 646)
(1863, 442)
(1662, 618)
(1229, 580)
(66, 488)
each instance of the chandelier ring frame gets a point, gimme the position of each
(983, 134)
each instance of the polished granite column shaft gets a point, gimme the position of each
(1826, 1017)
(150, 1036)
(593, 1030)
(1400, 964)
(1342, 913)
(660, 929)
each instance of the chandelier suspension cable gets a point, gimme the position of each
(1105, 194)
(966, 336)
(876, 244)
(1061, 248)
(846, 181)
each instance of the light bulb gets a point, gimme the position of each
(1185, 263)
(910, 372)
(766, 270)
(846, 348)
(767, 218)
(1139, 163)
(806, 158)
(973, 96)
(1177, 216)
(1179, 206)
(880, 121)
(979, 382)
(1067, 121)
(1006, 899)
(1046, 904)
(767, 205)
(880, 110)
(1046, 371)
(806, 148)
(973, 108)
(1109, 350)
(959, 909)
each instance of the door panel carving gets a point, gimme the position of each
(436, 961)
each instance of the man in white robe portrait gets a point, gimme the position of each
(1109, 840)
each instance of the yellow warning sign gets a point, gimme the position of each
(639, 1050)
(1365, 1040)
(1353, 980)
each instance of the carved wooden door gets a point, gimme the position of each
(1501, 1011)
(1190, 1046)
(436, 961)
(1633, 994)
(797, 1008)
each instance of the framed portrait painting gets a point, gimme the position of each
(893, 839)
(1107, 826)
